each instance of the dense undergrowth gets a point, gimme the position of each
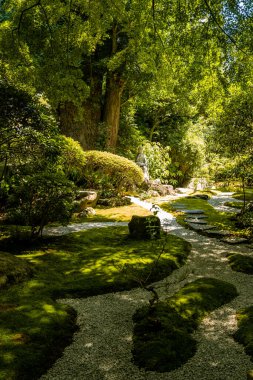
(162, 334)
(34, 327)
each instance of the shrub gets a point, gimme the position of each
(72, 159)
(110, 172)
(40, 198)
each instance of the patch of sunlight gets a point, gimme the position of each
(35, 284)
(8, 357)
(49, 308)
(88, 345)
(45, 320)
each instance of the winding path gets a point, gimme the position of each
(101, 349)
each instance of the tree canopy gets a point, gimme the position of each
(120, 73)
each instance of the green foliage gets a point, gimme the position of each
(34, 189)
(241, 263)
(40, 198)
(158, 161)
(72, 159)
(162, 333)
(34, 327)
(245, 327)
(110, 173)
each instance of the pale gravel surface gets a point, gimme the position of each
(101, 349)
(75, 227)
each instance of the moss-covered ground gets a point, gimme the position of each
(117, 214)
(34, 328)
(241, 263)
(244, 334)
(248, 195)
(162, 334)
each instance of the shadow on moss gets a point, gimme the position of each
(241, 263)
(162, 334)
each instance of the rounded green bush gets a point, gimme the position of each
(111, 172)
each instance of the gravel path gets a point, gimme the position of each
(101, 349)
(75, 227)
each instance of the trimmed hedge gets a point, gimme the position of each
(111, 172)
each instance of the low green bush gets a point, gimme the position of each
(110, 173)
(40, 198)
(162, 334)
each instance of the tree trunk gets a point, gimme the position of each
(81, 125)
(114, 90)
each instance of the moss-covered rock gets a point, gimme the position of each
(144, 227)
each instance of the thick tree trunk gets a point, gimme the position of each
(114, 90)
(81, 125)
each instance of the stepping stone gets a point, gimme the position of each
(200, 227)
(199, 216)
(218, 233)
(193, 212)
(235, 240)
(195, 221)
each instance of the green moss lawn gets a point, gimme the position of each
(34, 327)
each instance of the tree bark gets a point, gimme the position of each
(114, 90)
(81, 125)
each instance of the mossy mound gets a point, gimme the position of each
(13, 269)
(162, 334)
(241, 263)
(244, 334)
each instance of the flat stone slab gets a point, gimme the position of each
(234, 240)
(193, 212)
(198, 216)
(218, 233)
(200, 227)
(196, 221)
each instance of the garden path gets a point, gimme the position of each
(101, 349)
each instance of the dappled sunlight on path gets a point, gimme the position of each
(101, 349)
